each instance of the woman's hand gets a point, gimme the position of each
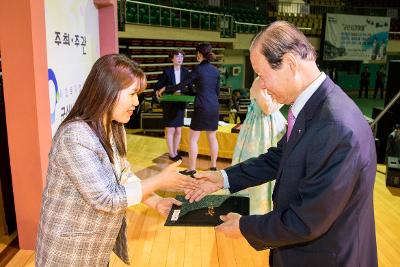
(160, 92)
(164, 205)
(170, 178)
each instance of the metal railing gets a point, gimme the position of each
(245, 27)
(301, 8)
(394, 35)
(383, 112)
(158, 15)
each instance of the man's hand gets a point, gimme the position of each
(230, 225)
(209, 182)
(164, 205)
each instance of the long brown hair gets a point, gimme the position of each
(109, 74)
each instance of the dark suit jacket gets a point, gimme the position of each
(323, 198)
(168, 78)
(173, 112)
(205, 78)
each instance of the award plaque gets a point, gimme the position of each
(206, 212)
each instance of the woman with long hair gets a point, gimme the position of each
(89, 183)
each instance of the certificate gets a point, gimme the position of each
(206, 212)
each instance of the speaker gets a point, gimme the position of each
(384, 127)
(393, 172)
(393, 85)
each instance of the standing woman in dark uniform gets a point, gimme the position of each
(205, 77)
(173, 112)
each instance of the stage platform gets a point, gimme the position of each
(226, 141)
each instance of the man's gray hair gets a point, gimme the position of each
(279, 38)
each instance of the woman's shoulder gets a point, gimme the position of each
(206, 65)
(76, 131)
(168, 70)
(72, 137)
(214, 68)
(75, 126)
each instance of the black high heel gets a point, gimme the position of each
(176, 158)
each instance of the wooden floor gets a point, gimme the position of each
(152, 244)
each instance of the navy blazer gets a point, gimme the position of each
(323, 198)
(205, 78)
(168, 78)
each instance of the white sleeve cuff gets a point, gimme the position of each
(226, 181)
(132, 178)
(133, 192)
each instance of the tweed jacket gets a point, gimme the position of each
(83, 204)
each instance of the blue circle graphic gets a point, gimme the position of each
(53, 79)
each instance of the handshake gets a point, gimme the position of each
(196, 188)
(206, 183)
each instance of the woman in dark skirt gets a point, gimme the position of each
(205, 78)
(173, 112)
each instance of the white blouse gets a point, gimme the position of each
(177, 76)
(129, 180)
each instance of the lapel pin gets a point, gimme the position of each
(299, 131)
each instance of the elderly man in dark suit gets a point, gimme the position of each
(324, 166)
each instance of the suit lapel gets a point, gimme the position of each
(303, 120)
(308, 112)
(116, 161)
(297, 132)
(173, 76)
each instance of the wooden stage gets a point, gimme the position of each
(152, 244)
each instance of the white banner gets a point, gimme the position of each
(72, 33)
(350, 37)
